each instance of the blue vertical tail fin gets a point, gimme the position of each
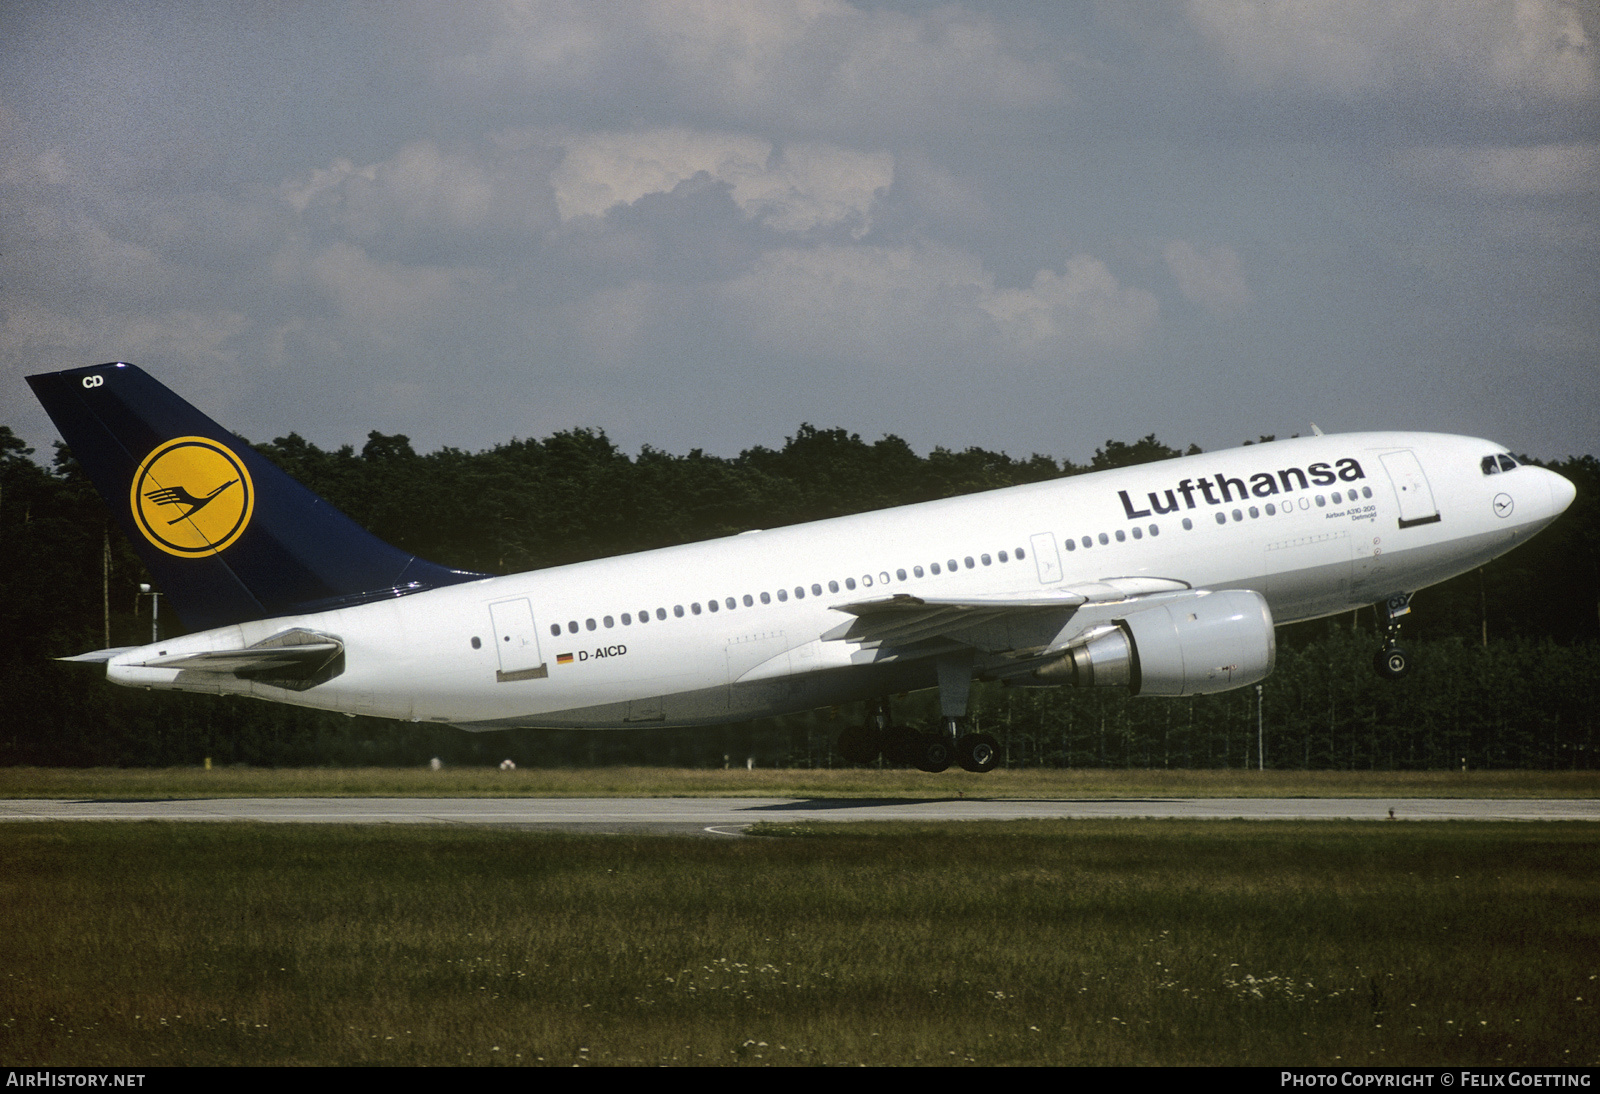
(227, 535)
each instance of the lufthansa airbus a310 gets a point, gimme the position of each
(1165, 579)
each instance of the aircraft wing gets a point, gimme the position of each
(988, 623)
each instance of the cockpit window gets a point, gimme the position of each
(1506, 462)
(1490, 465)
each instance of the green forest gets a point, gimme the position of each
(1505, 657)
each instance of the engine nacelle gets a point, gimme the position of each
(1194, 645)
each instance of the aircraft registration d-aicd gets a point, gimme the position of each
(1165, 579)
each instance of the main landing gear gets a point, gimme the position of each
(927, 750)
(1392, 661)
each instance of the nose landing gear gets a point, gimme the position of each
(1393, 661)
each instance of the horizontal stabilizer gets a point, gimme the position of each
(296, 659)
(99, 657)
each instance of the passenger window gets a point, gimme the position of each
(1366, 491)
(1321, 501)
(766, 598)
(1188, 525)
(799, 592)
(477, 643)
(677, 610)
(1272, 510)
(1222, 518)
(1003, 557)
(900, 575)
(984, 559)
(936, 570)
(712, 604)
(555, 629)
(1138, 533)
(1155, 529)
(883, 577)
(749, 602)
(572, 626)
(916, 571)
(732, 603)
(833, 587)
(1254, 512)
(1020, 555)
(1072, 545)
(1087, 542)
(951, 564)
(661, 613)
(849, 583)
(1122, 537)
(695, 607)
(588, 624)
(1104, 539)
(969, 562)
(783, 596)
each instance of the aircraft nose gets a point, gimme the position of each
(1562, 492)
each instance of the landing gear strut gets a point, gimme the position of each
(1392, 661)
(931, 750)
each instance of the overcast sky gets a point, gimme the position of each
(1021, 226)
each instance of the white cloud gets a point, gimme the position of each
(825, 63)
(807, 186)
(1214, 279)
(1541, 170)
(607, 170)
(424, 187)
(384, 300)
(902, 304)
(1503, 51)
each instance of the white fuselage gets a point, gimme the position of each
(735, 628)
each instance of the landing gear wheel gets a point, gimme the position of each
(860, 744)
(1392, 662)
(978, 752)
(933, 752)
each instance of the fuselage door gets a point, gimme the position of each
(516, 641)
(1046, 558)
(1411, 488)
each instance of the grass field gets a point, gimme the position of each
(195, 782)
(1027, 943)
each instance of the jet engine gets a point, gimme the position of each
(1193, 645)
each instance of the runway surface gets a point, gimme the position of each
(730, 816)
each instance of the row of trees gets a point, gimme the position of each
(1505, 656)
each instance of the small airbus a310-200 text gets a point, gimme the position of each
(1164, 579)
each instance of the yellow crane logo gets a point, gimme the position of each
(192, 497)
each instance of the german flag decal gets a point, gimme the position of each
(563, 658)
